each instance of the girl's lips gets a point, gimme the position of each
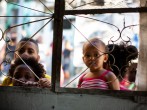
(92, 64)
(19, 84)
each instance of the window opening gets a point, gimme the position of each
(113, 36)
(28, 25)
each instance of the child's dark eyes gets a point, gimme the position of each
(87, 56)
(21, 51)
(30, 51)
(27, 77)
(96, 55)
(17, 75)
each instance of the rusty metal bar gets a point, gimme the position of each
(108, 10)
(57, 43)
(29, 16)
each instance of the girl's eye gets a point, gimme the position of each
(87, 56)
(17, 75)
(96, 55)
(21, 51)
(30, 52)
(27, 77)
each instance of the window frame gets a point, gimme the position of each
(57, 44)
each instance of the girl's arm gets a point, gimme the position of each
(113, 81)
(80, 81)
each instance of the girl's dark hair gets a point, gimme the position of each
(36, 67)
(95, 41)
(30, 40)
(120, 56)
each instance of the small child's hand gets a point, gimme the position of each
(44, 82)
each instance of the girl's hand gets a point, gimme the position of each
(44, 82)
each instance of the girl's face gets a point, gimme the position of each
(94, 58)
(28, 50)
(23, 73)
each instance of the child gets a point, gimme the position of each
(94, 56)
(119, 58)
(28, 48)
(23, 76)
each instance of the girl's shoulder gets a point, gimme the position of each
(110, 75)
(47, 76)
(105, 73)
(7, 82)
(82, 76)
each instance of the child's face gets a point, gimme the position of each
(28, 50)
(94, 58)
(23, 73)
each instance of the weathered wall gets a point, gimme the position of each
(12, 98)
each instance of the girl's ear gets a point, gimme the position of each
(106, 58)
(15, 56)
(38, 57)
(83, 59)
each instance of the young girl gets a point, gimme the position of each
(94, 56)
(24, 76)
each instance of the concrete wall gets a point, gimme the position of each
(13, 98)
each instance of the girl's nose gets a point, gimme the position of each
(92, 58)
(25, 54)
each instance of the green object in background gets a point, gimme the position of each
(131, 86)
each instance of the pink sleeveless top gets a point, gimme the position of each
(94, 83)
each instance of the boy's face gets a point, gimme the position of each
(28, 50)
(23, 73)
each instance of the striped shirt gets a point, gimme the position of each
(94, 83)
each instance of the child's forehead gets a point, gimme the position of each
(23, 67)
(92, 50)
(27, 43)
(94, 46)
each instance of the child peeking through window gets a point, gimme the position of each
(28, 73)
